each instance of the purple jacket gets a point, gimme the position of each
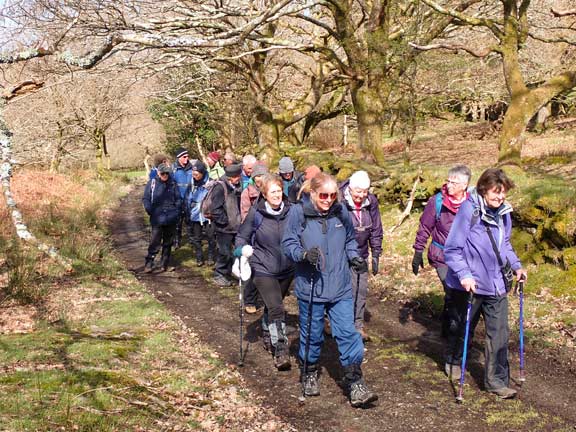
(468, 251)
(368, 227)
(438, 229)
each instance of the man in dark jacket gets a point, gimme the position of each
(225, 214)
(182, 174)
(291, 179)
(162, 203)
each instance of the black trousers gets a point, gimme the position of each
(273, 292)
(225, 256)
(200, 232)
(161, 236)
(494, 310)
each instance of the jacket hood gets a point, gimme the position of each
(261, 206)
(202, 181)
(487, 215)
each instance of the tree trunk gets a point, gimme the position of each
(268, 137)
(368, 109)
(522, 108)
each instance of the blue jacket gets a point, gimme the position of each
(468, 251)
(264, 231)
(194, 199)
(334, 234)
(182, 177)
(162, 201)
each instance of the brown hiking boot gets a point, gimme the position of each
(282, 356)
(505, 393)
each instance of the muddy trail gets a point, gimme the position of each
(403, 361)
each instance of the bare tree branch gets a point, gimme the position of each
(562, 13)
(454, 48)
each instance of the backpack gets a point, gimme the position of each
(206, 202)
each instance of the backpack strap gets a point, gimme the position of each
(438, 205)
(256, 222)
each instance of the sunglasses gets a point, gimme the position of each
(326, 195)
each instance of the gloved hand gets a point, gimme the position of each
(238, 252)
(312, 255)
(417, 262)
(375, 264)
(359, 265)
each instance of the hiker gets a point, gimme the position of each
(215, 170)
(292, 180)
(248, 163)
(182, 174)
(272, 271)
(225, 213)
(201, 227)
(162, 202)
(229, 159)
(481, 259)
(252, 192)
(435, 222)
(304, 192)
(247, 199)
(363, 207)
(319, 237)
(158, 159)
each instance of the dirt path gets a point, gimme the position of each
(402, 361)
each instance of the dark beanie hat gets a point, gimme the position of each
(181, 151)
(199, 166)
(233, 170)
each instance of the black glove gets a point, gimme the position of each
(417, 261)
(359, 265)
(313, 255)
(375, 264)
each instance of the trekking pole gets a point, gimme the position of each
(460, 397)
(521, 325)
(307, 345)
(356, 296)
(241, 298)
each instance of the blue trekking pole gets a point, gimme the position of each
(460, 397)
(521, 325)
(307, 345)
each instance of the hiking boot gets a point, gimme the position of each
(282, 356)
(310, 381)
(199, 263)
(149, 266)
(360, 394)
(210, 261)
(504, 393)
(358, 391)
(250, 309)
(220, 281)
(453, 372)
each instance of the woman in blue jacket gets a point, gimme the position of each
(272, 270)
(320, 239)
(162, 203)
(476, 265)
(200, 226)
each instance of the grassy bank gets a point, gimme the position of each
(91, 349)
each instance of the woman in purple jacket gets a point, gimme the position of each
(365, 215)
(435, 222)
(478, 242)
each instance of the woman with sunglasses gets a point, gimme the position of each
(272, 270)
(368, 227)
(320, 239)
(435, 223)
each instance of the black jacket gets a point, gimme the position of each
(264, 232)
(226, 206)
